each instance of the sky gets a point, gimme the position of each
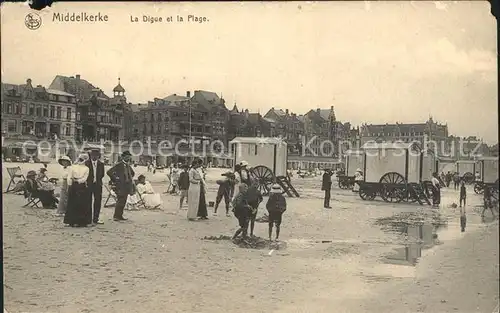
(375, 62)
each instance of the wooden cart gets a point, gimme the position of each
(397, 172)
(466, 170)
(267, 158)
(353, 160)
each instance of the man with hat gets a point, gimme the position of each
(224, 191)
(326, 186)
(94, 183)
(122, 175)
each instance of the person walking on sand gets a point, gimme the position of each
(79, 211)
(487, 203)
(196, 193)
(121, 175)
(326, 186)
(456, 181)
(183, 184)
(276, 206)
(94, 183)
(463, 193)
(65, 162)
(436, 190)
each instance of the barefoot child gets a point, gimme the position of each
(183, 184)
(241, 210)
(254, 198)
(276, 206)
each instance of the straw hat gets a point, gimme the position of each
(244, 163)
(82, 158)
(64, 158)
(359, 170)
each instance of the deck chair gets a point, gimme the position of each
(141, 202)
(111, 199)
(170, 185)
(14, 172)
(31, 201)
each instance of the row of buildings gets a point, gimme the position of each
(73, 108)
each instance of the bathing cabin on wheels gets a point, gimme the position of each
(267, 158)
(397, 172)
(353, 160)
(488, 169)
(466, 170)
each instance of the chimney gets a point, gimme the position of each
(286, 111)
(188, 94)
(77, 76)
(331, 108)
(318, 110)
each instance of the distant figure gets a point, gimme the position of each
(326, 186)
(224, 191)
(358, 177)
(436, 190)
(456, 181)
(174, 178)
(463, 193)
(183, 184)
(276, 206)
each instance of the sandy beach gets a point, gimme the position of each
(328, 261)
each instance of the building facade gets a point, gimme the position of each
(99, 117)
(434, 134)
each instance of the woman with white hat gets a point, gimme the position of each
(65, 162)
(79, 211)
(358, 176)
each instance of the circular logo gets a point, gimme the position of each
(33, 21)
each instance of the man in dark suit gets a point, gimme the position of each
(122, 177)
(327, 186)
(94, 183)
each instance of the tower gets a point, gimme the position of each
(119, 91)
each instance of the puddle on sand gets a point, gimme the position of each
(250, 242)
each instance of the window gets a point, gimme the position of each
(52, 111)
(26, 127)
(24, 110)
(11, 126)
(39, 111)
(159, 117)
(59, 112)
(45, 112)
(159, 128)
(78, 116)
(68, 130)
(255, 150)
(18, 108)
(68, 114)
(32, 109)
(9, 108)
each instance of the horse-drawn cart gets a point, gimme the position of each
(353, 161)
(268, 160)
(397, 172)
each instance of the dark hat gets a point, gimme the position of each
(30, 173)
(126, 153)
(43, 170)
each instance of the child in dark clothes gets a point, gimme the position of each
(276, 206)
(463, 193)
(224, 191)
(242, 211)
(254, 198)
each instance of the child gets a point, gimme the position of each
(224, 191)
(183, 184)
(463, 193)
(276, 206)
(174, 175)
(241, 210)
(254, 198)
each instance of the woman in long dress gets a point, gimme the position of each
(63, 199)
(196, 192)
(79, 211)
(151, 199)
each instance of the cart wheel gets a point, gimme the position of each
(363, 193)
(468, 178)
(478, 188)
(263, 177)
(393, 189)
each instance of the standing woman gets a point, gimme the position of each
(194, 191)
(65, 162)
(202, 206)
(79, 211)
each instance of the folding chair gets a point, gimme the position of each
(31, 201)
(170, 185)
(141, 202)
(111, 196)
(14, 173)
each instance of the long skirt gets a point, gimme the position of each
(79, 211)
(194, 192)
(63, 200)
(152, 200)
(436, 195)
(202, 205)
(47, 198)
